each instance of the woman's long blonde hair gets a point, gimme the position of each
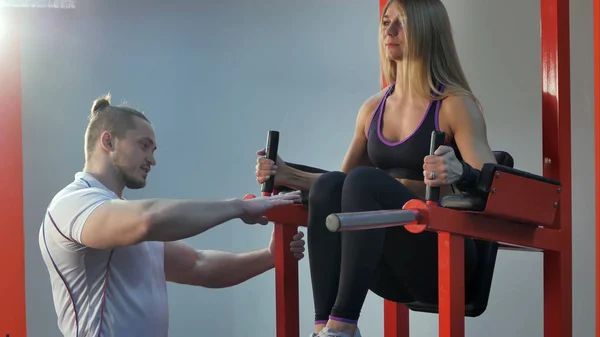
(430, 56)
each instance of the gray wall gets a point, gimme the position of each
(215, 77)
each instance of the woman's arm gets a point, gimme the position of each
(467, 125)
(461, 118)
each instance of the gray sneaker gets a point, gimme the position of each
(326, 332)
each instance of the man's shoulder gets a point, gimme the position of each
(67, 212)
(80, 191)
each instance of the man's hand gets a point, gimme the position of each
(296, 245)
(253, 209)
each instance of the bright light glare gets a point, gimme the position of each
(38, 3)
(3, 25)
(7, 5)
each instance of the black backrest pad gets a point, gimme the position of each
(477, 294)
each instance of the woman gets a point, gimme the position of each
(387, 164)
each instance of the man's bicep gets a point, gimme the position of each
(180, 262)
(116, 223)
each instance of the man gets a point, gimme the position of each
(109, 259)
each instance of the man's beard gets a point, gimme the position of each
(130, 181)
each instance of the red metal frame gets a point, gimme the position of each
(552, 235)
(518, 191)
(12, 242)
(597, 142)
(556, 139)
(555, 241)
(597, 150)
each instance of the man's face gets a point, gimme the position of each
(133, 156)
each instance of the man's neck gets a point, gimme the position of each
(106, 176)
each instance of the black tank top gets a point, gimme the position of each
(403, 159)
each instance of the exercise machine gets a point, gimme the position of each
(556, 160)
(510, 209)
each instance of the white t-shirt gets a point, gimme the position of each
(102, 293)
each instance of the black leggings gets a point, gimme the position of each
(391, 262)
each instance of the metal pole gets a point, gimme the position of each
(370, 220)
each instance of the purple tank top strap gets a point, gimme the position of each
(437, 118)
(438, 104)
(377, 110)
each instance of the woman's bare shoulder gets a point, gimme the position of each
(370, 104)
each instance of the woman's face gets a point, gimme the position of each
(392, 32)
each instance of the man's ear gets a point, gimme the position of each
(106, 141)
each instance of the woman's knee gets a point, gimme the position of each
(367, 179)
(366, 186)
(328, 186)
(362, 173)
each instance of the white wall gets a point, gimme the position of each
(215, 77)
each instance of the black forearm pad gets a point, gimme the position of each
(468, 179)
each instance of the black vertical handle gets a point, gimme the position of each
(271, 153)
(437, 139)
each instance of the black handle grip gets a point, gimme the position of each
(271, 153)
(437, 139)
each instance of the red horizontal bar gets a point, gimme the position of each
(462, 223)
(293, 215)
(478, 226)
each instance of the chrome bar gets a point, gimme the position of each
(338, 222)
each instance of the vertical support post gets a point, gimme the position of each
(12, 244)
(556, 138)
(395, 315)
(451, 265)
(395, 319)
(287, 304)
(597, 151)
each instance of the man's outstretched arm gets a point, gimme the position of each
(218, 269)
(115, 223)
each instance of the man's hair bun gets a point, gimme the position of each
(100, 103)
